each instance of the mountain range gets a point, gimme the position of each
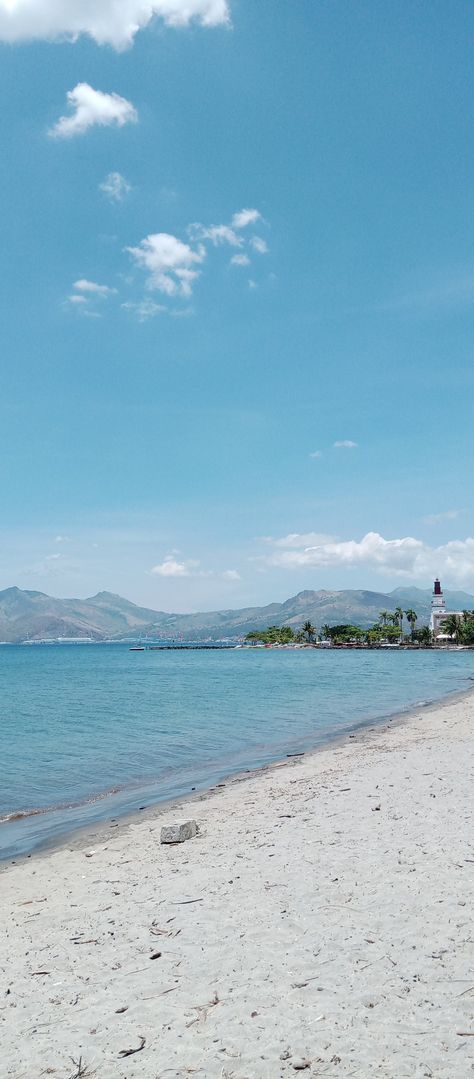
(26, 615)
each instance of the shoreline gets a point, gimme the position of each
(321, 916)
(82, 834)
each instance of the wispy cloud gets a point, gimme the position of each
(316, 454)
(108, 22)
(50, 566)
(90, 108)
(217, 234)
(115, 187)
(345, 444)
(259, 245)
(91, 287)
(298, 540)
(145, 309)
(240, 260)
(434, 292)
(438, 518)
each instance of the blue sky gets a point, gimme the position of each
(176, 374)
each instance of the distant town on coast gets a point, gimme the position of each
(406, 617)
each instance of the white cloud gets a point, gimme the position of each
(108, 22)
(346, 444)
(243, 218)
(438, 518)
(259, 245)
(316, 454)
(170, 567)
(62, 539)
(86, 294)
(240, 260)
(92, 288)
(217, 234)
(191, 567)
(408, 557)
(92, 107)
(145, 309)
(115, 186)
(169, 262)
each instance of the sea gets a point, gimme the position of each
(93, 732)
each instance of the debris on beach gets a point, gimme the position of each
(131, 1052)
(179, 831)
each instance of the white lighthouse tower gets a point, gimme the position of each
(438, 608)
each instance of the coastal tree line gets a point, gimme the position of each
(389, 628)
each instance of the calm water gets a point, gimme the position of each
(79, 721)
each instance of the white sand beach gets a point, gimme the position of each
(320, 922)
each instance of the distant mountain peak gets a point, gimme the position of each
(106, 595)
(26, 615)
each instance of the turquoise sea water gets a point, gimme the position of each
(79, 722)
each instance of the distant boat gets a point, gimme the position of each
(141, 648)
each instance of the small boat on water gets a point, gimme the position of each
(138, 648)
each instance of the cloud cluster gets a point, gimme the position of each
(91, 107)
(234, 235)
(407, 558)
(108, 22)
(173, 265)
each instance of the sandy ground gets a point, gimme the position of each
(321, 921)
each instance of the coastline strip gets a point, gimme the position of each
(333, 925)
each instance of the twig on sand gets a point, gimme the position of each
(81, 1069)
(130, 1052)
(183, 902)
(162, 994)
(203, 1009)
(465, 1033)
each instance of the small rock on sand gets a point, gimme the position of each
(179, 831)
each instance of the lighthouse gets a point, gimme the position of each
(438, 607)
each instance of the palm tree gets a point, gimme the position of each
(383, 616)
(326, 632)
(452, 626)
(309, 631)
(398, 617)
(411, 619)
